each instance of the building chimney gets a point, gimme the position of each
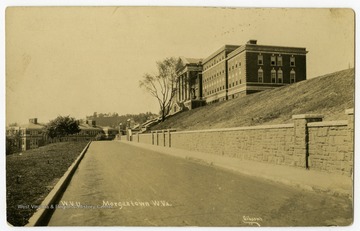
(252, 41)
(33, 120)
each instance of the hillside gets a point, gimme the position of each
(115, 119)
(329, 95)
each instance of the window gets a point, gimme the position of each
(260, 75)
(292, 76)
(273, 60)
(260, 59)
(273, 76)
(292, 61)
(279, 61)
(280, 76)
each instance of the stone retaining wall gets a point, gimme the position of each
(261, 143)
(145, 138)
(308, 142)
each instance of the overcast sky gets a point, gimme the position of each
(79, 60)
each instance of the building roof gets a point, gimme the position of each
(32, 126)
(190, 60)
(267, 48)
(88, 127)
(190, 63)
(108, 128)
(221, 49)
(277, 48)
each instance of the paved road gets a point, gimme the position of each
(121, 185)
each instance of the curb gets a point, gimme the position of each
(307, 187)
(43, 213)
(294, 184)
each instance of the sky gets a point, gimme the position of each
(80, 60)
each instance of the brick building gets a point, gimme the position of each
(215, 74)
(253, 68)
(233, 70)
(31, 134)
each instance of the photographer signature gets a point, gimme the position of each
(252, 220)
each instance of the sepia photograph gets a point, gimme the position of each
(179, 116)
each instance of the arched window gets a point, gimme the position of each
(273, 76)
(280, 76)
(292, 76)
(260, 75)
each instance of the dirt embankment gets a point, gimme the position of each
(329, 95)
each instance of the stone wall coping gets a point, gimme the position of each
(328, 123)
(349, 111)
(307, 116)
(239, 128)
(164, 130)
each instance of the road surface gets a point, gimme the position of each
(117, 184)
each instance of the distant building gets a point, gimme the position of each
(31, 134)
(109, 132)
(88, 131)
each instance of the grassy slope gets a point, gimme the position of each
(329, 95)
(39, 169)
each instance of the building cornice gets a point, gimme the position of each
(221, 49)
(268, 49)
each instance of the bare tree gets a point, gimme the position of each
(162, 86)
